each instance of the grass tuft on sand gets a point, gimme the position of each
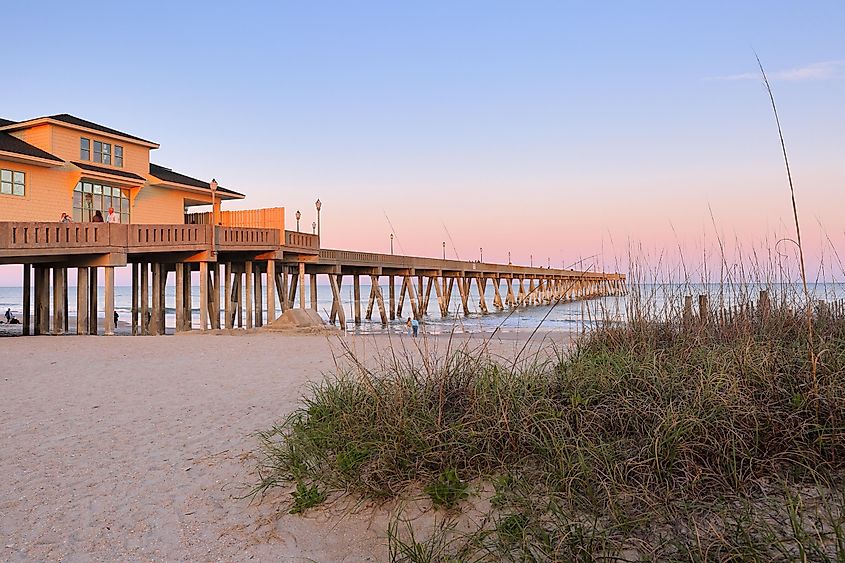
(660, 438)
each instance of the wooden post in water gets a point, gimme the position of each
(356, 292)
(337, 302)
(402, 289)
(371, 300)
(380, 298)
(482, 287)
(439, 282)
(392, 295)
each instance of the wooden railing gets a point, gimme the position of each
(302, 241)
(267, 218)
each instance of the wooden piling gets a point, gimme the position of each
(337, 302)
(313, 287)
(380, 299)
(108, 300)
(229, 322)
(392, 294)
(203, 296)
(271, 291)
(702, 308)
(135, 283)
(302, 285)
(258, 295)
(145, 298)
(58, 301)
(482, 287)
(93, 297)
(27, 299)
(248, 283)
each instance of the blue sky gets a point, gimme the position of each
(549, 128)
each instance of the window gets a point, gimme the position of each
(88, 198)
(98, 151)
(118, 156)
(12, 182)
(84, 149)
(106, 154)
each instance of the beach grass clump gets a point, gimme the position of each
(673, 437)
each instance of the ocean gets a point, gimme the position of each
(570, 316)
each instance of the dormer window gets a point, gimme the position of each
(84, 149)
(102, 152)
(118, 156)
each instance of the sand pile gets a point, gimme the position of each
(301, 320)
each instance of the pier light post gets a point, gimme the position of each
(298, 215)
(391, 244)
(318, 204)
(549, 263)
(481, 253)
(532, 259)
(444, 249)
(213, 187)
(509, 258)
(313, 227)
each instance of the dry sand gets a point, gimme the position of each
(140, 448)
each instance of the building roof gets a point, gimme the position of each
(112, 171)
(74, 121)
(10, 143)
(168, 175)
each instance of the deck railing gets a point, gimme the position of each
(144, 236)
(31, 235)
(266, 218)
(302, 241)
(242, 236)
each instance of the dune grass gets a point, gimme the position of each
(662, 438)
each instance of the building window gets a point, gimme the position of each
(12, 182)
(118, 156)
(102, 152)
(85, 149)
(88, 198)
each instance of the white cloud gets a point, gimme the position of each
(814, 71)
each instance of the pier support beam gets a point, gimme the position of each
(108, 301)
(93, 306)
(203, 295)
(439, 287)
(379, 299)
(337, 302)
(135, 283)
(214, 288)
(392, 295)
(302, 285)
(356, 290)
(248, 283)
(155, 317)
(27, 299)
(313, 287)
(145, 298)
(482, 287)
(180, 297)
(58, 300)
(82, 301)
(228, 317)
(259, 295)
(497, 297)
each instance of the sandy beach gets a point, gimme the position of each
(141, 448)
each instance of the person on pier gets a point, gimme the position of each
(112, 217)
(98, 217)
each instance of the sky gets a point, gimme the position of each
(553, 130)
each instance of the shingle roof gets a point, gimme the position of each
(10, 143)
(4, 122)
(112, 171)
(70, 119)
(168, 175)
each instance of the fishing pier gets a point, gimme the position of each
(250, 275)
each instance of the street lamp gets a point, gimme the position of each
(532, 260)
(549, 263)
(391, 244)
(318, 204)
(444, 249)
(298, 215)
(313, 227)
(509, 258)
(213, 187)
(481, 253)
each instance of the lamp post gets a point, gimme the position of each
(509, 258)
(481, 254)
(213, 187)
(313, 227)
(298, 215)
(549, 263)
(532, 260)
(318, 204)
(391, 244)
(444, 249)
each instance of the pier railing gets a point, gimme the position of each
(56, 238)
(302, 241)
(148, 237)
(230, 238)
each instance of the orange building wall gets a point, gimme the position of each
(48, 194)
(65, 145)
(158, 205)
(40, 137)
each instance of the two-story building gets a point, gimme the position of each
(62, 164)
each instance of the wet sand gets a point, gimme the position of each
(142, 448)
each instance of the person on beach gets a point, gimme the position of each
(112, 217)
(116, 318)
(408, 324)
(98, 217)
(415, 327)
(65, 218)
(8, 315)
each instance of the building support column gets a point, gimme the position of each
(248, 283)
(145, 298)
(214, 288)
(93, 298)
(155, 318)
(271, 291)
(58, 301)
(228, 322)
(203, 296)
(258, 296)
(180, 297)
(302, 285)
(313, 287)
